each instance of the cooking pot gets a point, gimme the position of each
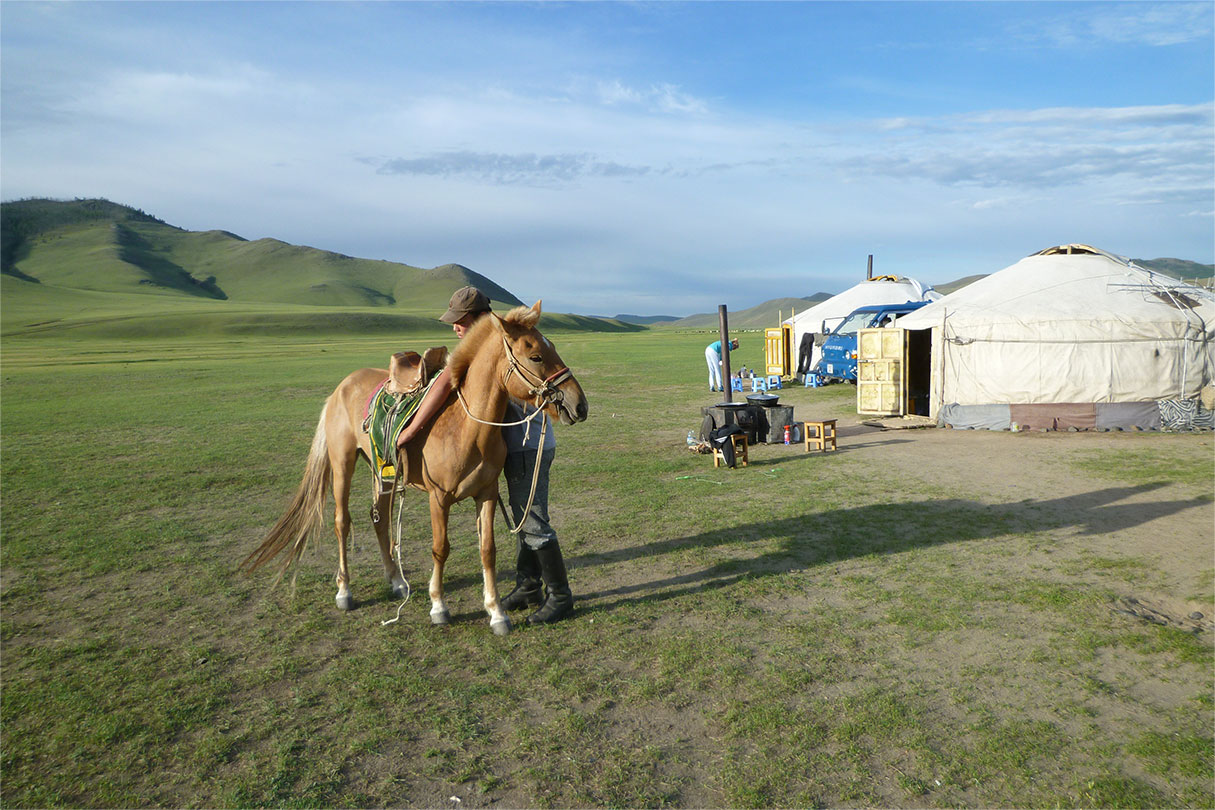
(767, 400)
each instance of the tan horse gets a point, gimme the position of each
(457, 457)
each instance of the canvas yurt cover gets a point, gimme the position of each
(1071, 337)
(880, 290)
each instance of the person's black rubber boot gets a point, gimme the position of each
(559, 601)
(527, 592)
(527, 581)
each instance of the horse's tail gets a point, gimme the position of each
(305, 515)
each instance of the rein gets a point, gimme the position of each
(531, 496)
(545, 391)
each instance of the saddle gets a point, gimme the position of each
(408, 372)
(394, 403)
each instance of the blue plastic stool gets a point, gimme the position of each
(811, 381)
(736, 385)
(757, 384)
(773, 382)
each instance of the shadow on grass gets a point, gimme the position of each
(823, 538)
(812, 456)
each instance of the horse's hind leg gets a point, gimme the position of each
(381, 519)
(439, 550)
(498, 621)
(343, 469)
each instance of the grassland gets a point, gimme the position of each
(924, 618)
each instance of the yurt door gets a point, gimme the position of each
(881, 358)
(776, 350)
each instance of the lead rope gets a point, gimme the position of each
(396, 546)
(531, 496)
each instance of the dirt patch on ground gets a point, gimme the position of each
(1037, 477)
(1172, 524)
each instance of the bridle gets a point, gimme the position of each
(543, 390)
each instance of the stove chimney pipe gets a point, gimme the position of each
(724, 327)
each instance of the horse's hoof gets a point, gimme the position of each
(440, 618)
(501, 628)
(400, 591)
(345, 601)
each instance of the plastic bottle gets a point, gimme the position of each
(788, 434)
(691, 439)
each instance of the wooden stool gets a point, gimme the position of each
(739, 440)
(824, 433)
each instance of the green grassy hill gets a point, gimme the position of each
(645, 319)
(22, 220)
(1180, 268)
(769, 313)
(957, 284)
(104, 247)
(100, 268)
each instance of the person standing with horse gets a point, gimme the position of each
(539, 561)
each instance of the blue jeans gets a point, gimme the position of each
(536, 532)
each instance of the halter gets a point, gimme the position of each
(544, 390)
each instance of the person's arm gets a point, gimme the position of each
(436, 395)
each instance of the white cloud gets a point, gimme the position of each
(662, 97)
(1125, 150)
(615, 92)
(1150, 24)
(510, 169)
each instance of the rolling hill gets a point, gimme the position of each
(1192, 272)
(105, 247)
(643, 319)
(769, 313)
(103, 268)
(957, 284)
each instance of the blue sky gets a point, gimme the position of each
(638, 158)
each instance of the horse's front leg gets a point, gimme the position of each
(498, 621)
(381, 519)
(438, 551)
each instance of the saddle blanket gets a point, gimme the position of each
(387, 415)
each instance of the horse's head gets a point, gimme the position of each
(535, 373)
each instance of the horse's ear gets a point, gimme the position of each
(529, 317)
(499, 324)
(526, 317)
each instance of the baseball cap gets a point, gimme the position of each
(463, 301)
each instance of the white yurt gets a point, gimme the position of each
(874, 291)
(1071, 337)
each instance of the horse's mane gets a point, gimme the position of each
(482, 330)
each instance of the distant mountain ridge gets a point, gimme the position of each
(103, 246)
(769, 313)
(957, 284)
(1179, 268)
(643, 320)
